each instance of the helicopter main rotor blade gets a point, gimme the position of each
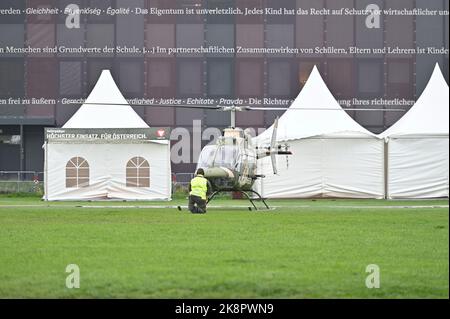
(182, 106)
(281, 109)
(247, 108)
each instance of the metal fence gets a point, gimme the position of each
(33, 182)
(21, 182)
(180, 182)
(182, 179)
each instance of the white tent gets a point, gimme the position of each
(107, 152)
(333, 155)
(418, 146)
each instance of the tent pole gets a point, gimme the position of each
(46, 172)
(22, 151)
(386, 169)
(169, 171)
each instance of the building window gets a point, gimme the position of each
(13, 4)
(100, 36)
(310, 29)
(70, 78)
(11, 35)
(400, 79)
(400, 29)
(279, 78)
(131, 78)
(370, 38)
(250, 36)
(250, 76)
(138, 172)
(369, 84)
(42, 81)
(220, 78)
(41, 36)
(280, 35)
(370, 78)
(103, 5)
(221, 4)
(340, 29)
(250, 4)
(339, 69)
(283, 5)
(190, 4)
(11, 78)
(221, 35)
(400, 83)
(160, 35)
(130, 28)
(304, 71)
(162, 4)
(190, 78)
(77, 173)
(190, 36)
(41, 18)
(161, 75)
(94, 70)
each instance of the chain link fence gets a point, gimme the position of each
(21, 182)
(33, 182)
(180, 182)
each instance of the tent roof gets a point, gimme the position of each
(429, 116)
(106, 116)
(306, 117)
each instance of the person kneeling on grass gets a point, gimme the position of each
(199, 189)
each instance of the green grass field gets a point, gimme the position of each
(302, 249)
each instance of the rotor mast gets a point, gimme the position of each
(233, 118)
(233, 109)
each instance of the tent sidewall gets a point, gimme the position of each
(327, 167)
(418, 167)
(107, 171)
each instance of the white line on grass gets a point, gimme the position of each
(231, 206)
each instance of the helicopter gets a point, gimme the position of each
(231, 163)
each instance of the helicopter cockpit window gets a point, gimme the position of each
(227, 156)
(227, 153)
(206, 158)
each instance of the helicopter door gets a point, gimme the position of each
(247, 166)
(226, 156)
(206, 158)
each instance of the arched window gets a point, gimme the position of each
(77, 173)
(138, 172)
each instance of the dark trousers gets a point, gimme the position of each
(197, 205)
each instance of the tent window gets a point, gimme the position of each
(77, 173)
(138, 172)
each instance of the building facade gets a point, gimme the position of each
(58, 76)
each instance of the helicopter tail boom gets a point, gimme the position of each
(218, 172)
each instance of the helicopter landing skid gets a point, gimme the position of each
(246, 194)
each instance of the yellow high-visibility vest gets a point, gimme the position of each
(199, 187)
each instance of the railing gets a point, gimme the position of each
(182, 179)
(21, 182)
